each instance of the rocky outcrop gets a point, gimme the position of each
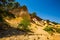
(20, 12)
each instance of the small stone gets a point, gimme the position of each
(38, 37)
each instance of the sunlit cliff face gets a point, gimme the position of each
(20, 12)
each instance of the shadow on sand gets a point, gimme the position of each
(10, 31)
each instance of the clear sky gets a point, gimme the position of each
(45, 9)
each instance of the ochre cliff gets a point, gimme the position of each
(37, 27)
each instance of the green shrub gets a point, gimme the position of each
(49, 29)
(24, 24)
(33, 14)
(55, 22)
(57, 30)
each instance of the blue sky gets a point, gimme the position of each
(45, 9)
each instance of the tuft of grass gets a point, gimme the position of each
(49, 29)
(57, 30)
